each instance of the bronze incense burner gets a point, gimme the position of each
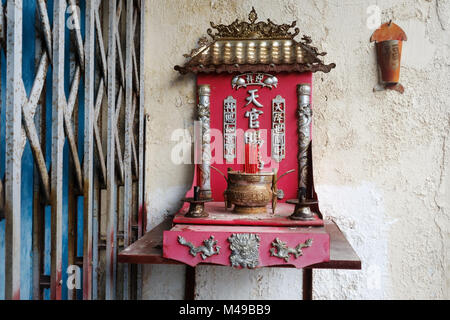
(250, 193)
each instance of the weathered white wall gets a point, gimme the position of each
(381, 159)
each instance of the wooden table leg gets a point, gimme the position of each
(189, 289)
(307, 284)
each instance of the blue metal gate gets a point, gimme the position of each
(71, 147)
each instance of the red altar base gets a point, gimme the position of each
(222, 224)
(219, 216)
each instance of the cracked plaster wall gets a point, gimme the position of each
(381, 159)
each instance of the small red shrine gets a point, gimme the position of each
(252, 203)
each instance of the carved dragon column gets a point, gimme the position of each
(304, 135)
(304, 111)
(203, 109)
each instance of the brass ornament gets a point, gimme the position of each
(302, 209)
(282, 251)
(196, 208)
(249, 192)
(303, 204)
(229, 129)
(252, 30)
(203, 110)
(206, 250)
(264, 80)
(278, 128)
(244, 250)
(201, 44)
(304, 132)
(253, 116)
(196, 205)
(254, 47)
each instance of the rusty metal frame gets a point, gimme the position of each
(58, 120)
(128, 136)
(111, 241)
(141, 140)
(14, 100)
(88, 164)
(115, 93)
(39, 206)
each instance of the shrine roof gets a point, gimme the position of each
(255, 46)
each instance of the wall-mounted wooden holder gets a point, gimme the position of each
(388, 39)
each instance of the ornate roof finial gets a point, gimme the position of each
(253, 30)
(252, 16)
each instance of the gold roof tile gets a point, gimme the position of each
(254, 46)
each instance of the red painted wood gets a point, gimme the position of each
(148, 249)
(221, 88)
(219, 216)
(317, 253)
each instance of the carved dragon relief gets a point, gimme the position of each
(206, 250)
(244, 250)
(282, 251)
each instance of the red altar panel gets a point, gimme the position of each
(318, 251)
(221, 88)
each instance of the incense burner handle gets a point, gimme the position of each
(284, 174)
(222, 174)
(228, 204)
(275, 180)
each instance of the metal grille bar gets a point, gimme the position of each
(14, 100)
(110, 167)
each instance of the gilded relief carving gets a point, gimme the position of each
(208, 249)
(244, 250)
(282, 251)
